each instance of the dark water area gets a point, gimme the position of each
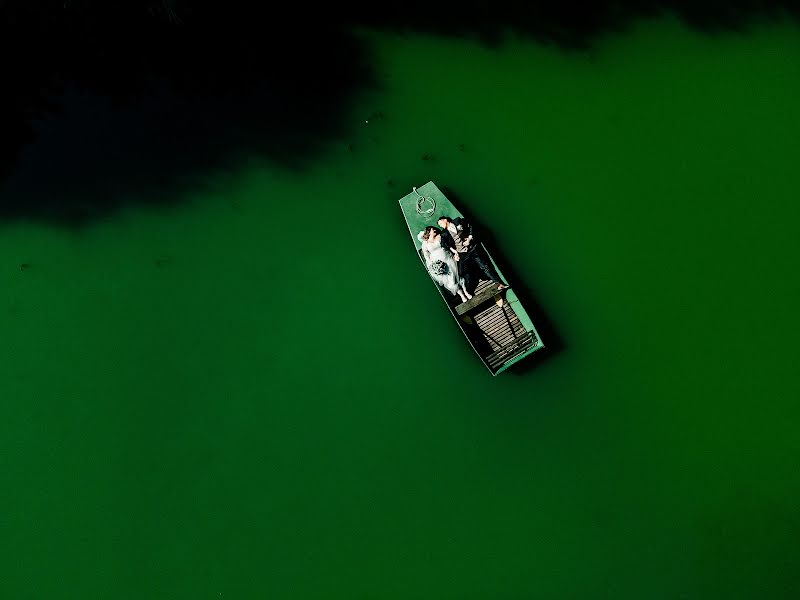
(227, 375)
(116, 101)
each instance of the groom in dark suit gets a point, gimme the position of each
(458, 235)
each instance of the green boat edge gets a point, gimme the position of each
(416, 222)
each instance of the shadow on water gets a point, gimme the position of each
(554, 344)
(107, 101)
(111, 102)
(570, 24)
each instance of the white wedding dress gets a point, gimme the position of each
(442, 267)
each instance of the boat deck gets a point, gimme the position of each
(496, 331)
(499, 324)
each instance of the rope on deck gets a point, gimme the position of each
(425, 212)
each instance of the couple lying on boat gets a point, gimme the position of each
(453, 256)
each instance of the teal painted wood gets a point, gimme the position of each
(423, 208)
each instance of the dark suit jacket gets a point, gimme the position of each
(465, 229)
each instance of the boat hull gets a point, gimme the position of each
(494, 321)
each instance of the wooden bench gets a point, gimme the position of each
(480, 298)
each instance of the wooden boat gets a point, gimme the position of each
(493, 320)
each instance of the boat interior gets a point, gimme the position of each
(491, 324)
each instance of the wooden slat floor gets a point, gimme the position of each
(498, 324)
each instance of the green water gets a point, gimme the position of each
(258, 393)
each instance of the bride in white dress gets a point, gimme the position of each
(441, 263)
